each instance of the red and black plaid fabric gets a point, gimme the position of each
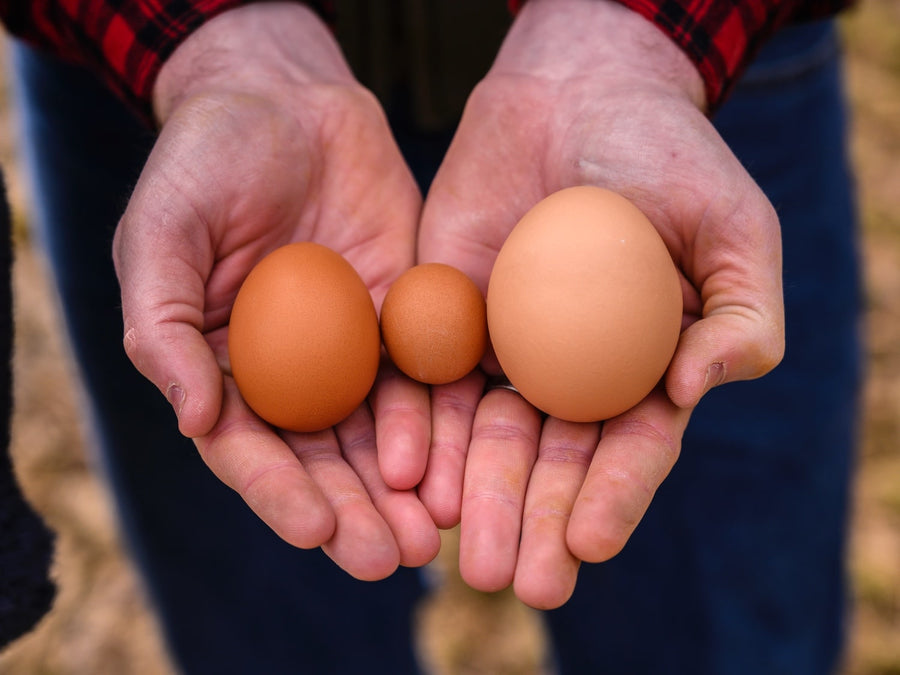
(721, 37)
(128, 40)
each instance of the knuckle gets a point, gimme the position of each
(643, 433)
(627, 491)
(502, 432)
(567, 453)
(550, 511)
(497, 495)
(452, 402)
(403, 409)
(768, 354)
(775, 353)
(256, 487)
(445, 447)
(133, 346)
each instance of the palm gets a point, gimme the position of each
(357, 198)
(230, 179)
(668, 160)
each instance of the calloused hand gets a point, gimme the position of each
(266, 138)
(587, 92)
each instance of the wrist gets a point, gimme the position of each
(262, 47)
(573, 39)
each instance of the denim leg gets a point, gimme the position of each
(232, 597)
(738, 567)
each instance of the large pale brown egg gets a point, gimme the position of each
(433, 323)
(303, 338)
(584, 305)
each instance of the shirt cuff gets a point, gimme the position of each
(126, 43)
(134, 44)
(720, 37)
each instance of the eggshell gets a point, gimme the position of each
(584, 305)
(303, 338)
(433, 323)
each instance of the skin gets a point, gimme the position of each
(558, 108)
(263, 143)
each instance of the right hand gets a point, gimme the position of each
(587, 92)
(266, 138)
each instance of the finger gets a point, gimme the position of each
(402, 427)
(741, 333)
(175, 356)
(636, 452)
(417, 539)
(505, 436)
(362, 543)
(452, 413)
(162, 305)
(245, 454)
(546, 570)
(731, 345)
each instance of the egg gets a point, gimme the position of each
(303, 338)
(584, 305)
(433, 323)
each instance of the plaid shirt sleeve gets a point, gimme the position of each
(126, 42)
(721, 37)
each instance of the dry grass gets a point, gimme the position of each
(100, 623)
(873, 77)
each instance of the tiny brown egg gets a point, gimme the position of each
(303, 338)
(433, 323)
(584, 305)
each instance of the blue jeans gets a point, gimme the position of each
(738, 566)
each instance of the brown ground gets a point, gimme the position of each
(100, 625)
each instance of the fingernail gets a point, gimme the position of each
(715, 375)
(175, 396)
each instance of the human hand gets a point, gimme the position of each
(587, 92)
(266, 138)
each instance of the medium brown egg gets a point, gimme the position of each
(584, 305)
(433, 323)
(303, 338)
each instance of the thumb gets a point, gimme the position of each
(176, 358)
(163, 294)
(736, 261)
(727, 346)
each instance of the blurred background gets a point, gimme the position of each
(100, 624)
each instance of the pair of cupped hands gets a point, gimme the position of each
(266, 138)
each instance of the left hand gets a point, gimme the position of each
(266, 139)
(587, 92)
